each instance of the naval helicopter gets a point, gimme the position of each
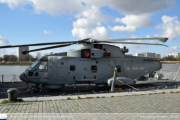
(93, 62)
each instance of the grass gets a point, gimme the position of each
(68, 98)
(112, 96)
(6, 101)
(150, 93)
(48, 100)
(16, 63)
(102, 97)
(97, 97)
(163, 92)
(171, 92)
(177, 92)
(170, 61)
(89, 97)
(79, 97)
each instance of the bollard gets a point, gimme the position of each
(12, 94)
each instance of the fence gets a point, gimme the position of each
(168, 75)
(9, 78)
(161, 74)
(162, 87)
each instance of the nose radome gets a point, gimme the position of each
(22, 76)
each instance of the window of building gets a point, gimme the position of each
(72, 67)
(118, 69)
(94, 69)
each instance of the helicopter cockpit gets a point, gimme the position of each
(35, 71)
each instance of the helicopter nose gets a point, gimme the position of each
(22, 76)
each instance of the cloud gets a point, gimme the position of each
(134, 7)
(173, 48)
(89, 24)
(170, 27)
(14, 3)
(92, 17)
(3, 40)
(98, 33)
(128, 7)
(132, 22)
(8, 51)
(47, 32)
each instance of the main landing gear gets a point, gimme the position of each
(34, 88)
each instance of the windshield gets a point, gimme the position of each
(43, 65)
(34, 66)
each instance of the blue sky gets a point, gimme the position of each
(38, 21)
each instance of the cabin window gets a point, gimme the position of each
(36, 74)
(94, 69)
(118, 69)
(72, 67)
(30, 73)
(43, 65)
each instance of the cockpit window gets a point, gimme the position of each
(34, 66)
(43, 65)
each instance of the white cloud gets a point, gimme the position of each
(127, 7)
(92, 17)
(3, 40)
(173, 48)
(135, 7)
(170, 27)
(52, 7)
(132, 22)
(147, 36)
(156, 35)
(98, 33)
(123, 29)
(15, 3)
(88, 24)
(8, 51)
(47, 32)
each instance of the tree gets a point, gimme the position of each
(27, 57)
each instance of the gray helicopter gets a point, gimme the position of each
(93, 62)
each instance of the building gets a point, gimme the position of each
(158, 56)
(19, 50)
(140, 54)
(175, 55)
(148, 54)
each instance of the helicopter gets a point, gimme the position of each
(93, 62)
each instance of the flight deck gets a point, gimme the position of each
(84, 89)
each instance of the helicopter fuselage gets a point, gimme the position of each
(90, 63)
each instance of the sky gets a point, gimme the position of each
(38, 21)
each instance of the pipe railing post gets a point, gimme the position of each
(114, 79)
(2, 78)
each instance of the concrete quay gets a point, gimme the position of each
(156, 104)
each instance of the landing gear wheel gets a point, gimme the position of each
(32, 91)
(40, 90)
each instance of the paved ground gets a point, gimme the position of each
(98, 108)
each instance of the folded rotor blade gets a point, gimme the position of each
(25, 52)
(38, 44)
(135, 43)
(162, 39)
